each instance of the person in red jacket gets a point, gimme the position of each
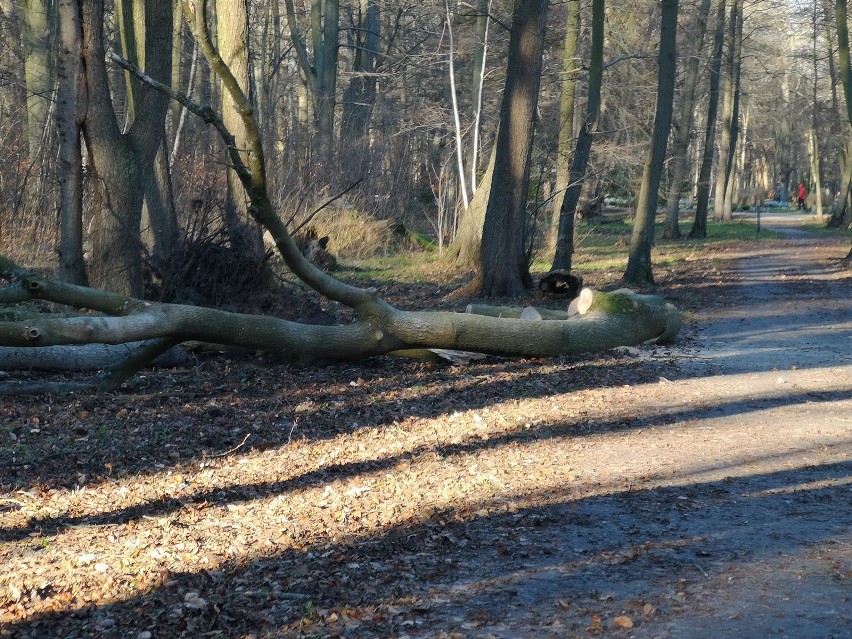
(802, 193)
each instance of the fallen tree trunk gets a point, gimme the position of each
(621, 318)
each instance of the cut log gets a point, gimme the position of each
(513, 312)
(581, 304)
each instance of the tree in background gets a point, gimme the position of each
(38, 37)
(504, 261)
(567, 98)
(232, 20)
(730, 116)
(699, 226)
(70, 110)
(320, 72)
(639, 269)
(119, 160)
(359, 97)
(683, 125)
(583, 148)
(845, 70)
(160, 233)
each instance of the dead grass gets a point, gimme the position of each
(356, 235)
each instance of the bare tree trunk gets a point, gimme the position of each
(478, 80)
(841, 206)
(639, 268)
(359, 98)
(119, 160)
(568, 209)
(71, 100)
(38, 68)
(321, 76)
(466, 247)
(461, 174)
(504, 269)
(232, 31)
(566, 111)
(728, 141)
(843, 215)
(699, 226)
(683, 126)
(159, 218)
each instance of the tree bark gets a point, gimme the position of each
(683, 125)
(639, 269)
(232, 41)
(727, 141)
(477, 82)
(733, 174)
(699, 226)
(71, 107)
(504, 268)
(38, 69)
(566, 112)
(118, 160)
(562, 259)
(844, 213)
(466, 247)
(161, 232)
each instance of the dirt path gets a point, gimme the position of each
(698, 491)
(730, 513)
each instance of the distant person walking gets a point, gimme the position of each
(802, 193)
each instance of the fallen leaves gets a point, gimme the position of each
(337, 500)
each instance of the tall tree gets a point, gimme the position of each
(160, 231)
(70, 109)
(504, 265)
(359, 98)
(568, 92)
(321, 74)
(483, 20)
(731, 183)
(699, 226)
(683, 125)
(38, 27)
(813, 134)
(119, 160)
(583, 148)
(730, 116)
(845, 70)
(639, 269)
(232, 20)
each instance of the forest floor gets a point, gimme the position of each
(698, 490)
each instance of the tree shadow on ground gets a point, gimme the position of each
(569, 430)
(559, 564)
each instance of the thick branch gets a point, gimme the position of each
(613, 319)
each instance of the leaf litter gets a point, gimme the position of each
(594, 496)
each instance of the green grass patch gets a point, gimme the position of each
(600, 248)
(821, 229)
